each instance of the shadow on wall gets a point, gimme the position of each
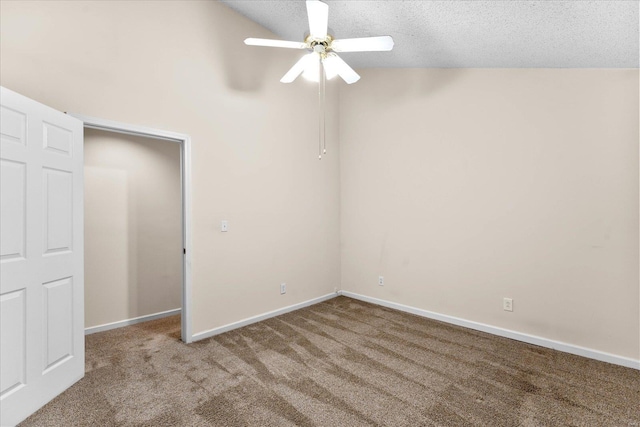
(419, 84)
(427, 84)
(246, 68)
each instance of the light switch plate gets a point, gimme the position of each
(224, 226)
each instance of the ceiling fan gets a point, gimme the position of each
(323, 47)
(323, 61)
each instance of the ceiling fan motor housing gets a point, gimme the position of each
(320, 46)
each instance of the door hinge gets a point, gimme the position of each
(184, 251)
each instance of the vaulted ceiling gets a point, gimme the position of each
(470, 34)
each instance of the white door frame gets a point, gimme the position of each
(185, 177)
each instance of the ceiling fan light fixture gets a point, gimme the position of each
(311, 71)
(297, 69)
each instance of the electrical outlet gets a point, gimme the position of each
(381, 280)
(507, 304)
(283, 288)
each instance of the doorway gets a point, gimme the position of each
(138, 216)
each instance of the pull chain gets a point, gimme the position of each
(323, 82)
(320, 106)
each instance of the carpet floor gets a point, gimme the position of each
(338, 363)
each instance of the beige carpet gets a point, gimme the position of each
(338, 363)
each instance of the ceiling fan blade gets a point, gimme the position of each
(365, 44)
(318, 13)
(275, 43)
(297, 68)
(343, 69)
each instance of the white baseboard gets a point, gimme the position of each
(239, 324)
(128, 322)
(519, 336)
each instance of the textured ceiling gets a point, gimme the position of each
(470, 34)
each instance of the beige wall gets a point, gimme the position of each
(133, 228)
(182, 66)
(462, 187)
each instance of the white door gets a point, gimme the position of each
(41, 256)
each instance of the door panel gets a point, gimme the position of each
(57, 139)
(13, 222)
(58, 322)
(41, 259)
(14, 338)
(58, 210)
(14, 126)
